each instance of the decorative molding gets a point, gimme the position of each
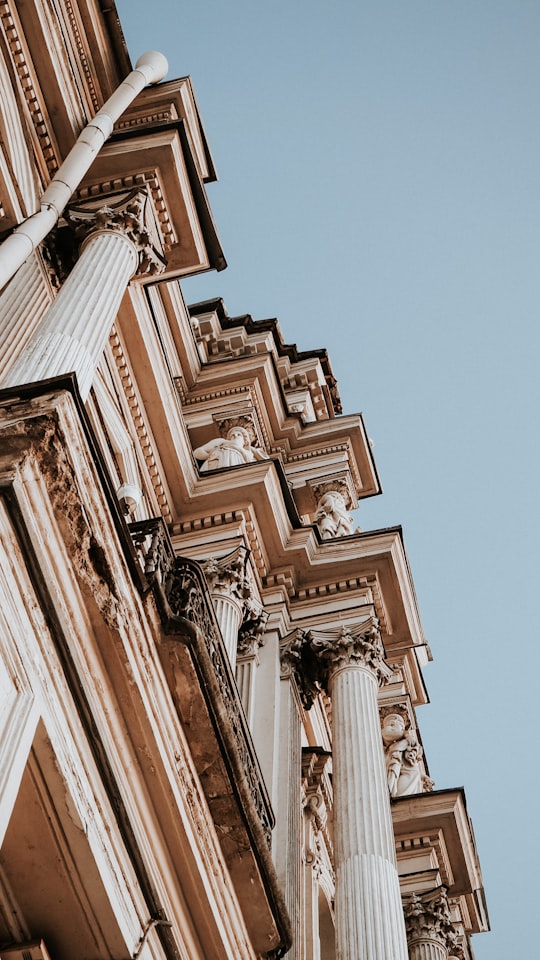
(139, 424)
(407, 846)
(28, 86)
(81, 52)
(146, 119)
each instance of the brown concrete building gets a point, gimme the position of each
(209, 744)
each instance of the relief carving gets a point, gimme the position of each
(251, 633)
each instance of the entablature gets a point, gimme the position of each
(166, 103)
(160, 158)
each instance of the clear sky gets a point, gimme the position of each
(379, 194)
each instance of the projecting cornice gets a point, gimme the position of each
(161, 157)
(438, 821)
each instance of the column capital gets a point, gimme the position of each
(350, 646)
(227, 576)
(298, 663)
(127, 214)
(251, 633)
(428, 918)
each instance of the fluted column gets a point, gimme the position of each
(430, 931)
(73, 334)
(369, 915)
(23, 304)
(229, 589)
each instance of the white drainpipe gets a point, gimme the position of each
(150, 68)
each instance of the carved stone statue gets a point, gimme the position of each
(332, 517)
(402, 754)
(228, 451)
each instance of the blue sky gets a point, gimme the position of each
(379, 194)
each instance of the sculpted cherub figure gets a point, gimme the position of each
(402, 753)
(228, 451)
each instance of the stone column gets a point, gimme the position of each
(73, 334)
(369, 915)
(23, 304)
(229, 589)
(430, 931)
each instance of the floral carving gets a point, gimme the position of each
(125, 213)
(350, 647)
(428, 917)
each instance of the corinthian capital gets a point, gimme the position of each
(352, 647)
(227, 576)
(428, 917)
(126, 213)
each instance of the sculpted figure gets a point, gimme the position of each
(228, 451)
(402, 753)
(332, 516)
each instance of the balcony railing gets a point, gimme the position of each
(183, 585)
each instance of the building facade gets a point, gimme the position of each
(210, 679)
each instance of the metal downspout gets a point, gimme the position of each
(150, 68)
